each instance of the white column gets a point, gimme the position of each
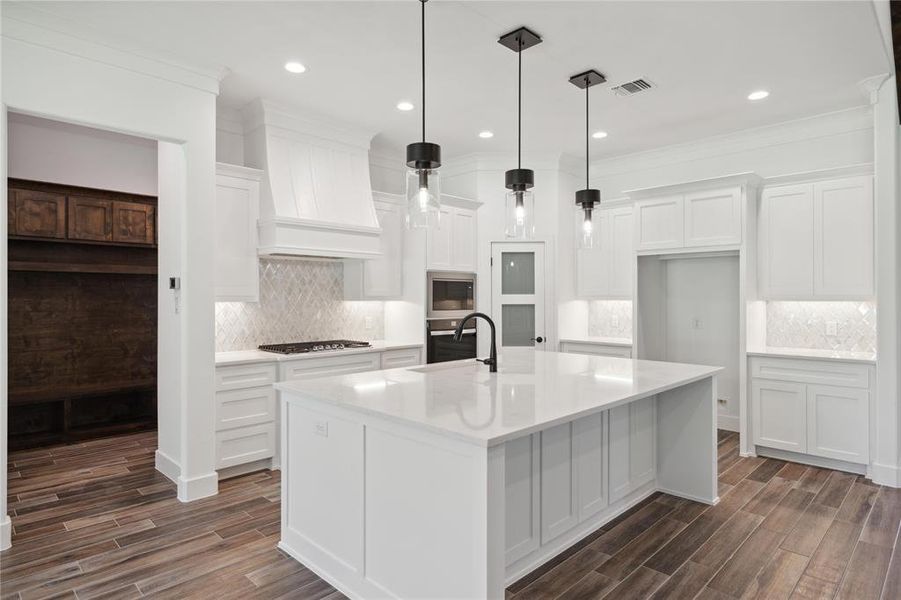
(5, 524)
(886, 454)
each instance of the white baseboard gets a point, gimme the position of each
(727, 422)
(168, 467)
(195, 488)
(888, 475)
(809, 459)
(251, 467)
(6, 532)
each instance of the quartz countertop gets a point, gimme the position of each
(601, 341)
(246, 357)
(531, 391)
(836, 355)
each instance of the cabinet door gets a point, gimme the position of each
(463, 240)
(383, 276)
(591, 464)
(659, 223)
(439, 241)
(36, 214)
(593, 265)
(622, 252)
(90, 219)
(134, 223)
(786, 242)
(236, 263)
(838, 423)
(632, 447)
(559, 505)
(779, 415)
(522, 516)
(713, 218)
(843, 238)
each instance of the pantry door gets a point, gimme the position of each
(517, 293)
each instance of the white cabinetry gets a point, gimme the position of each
(596, 348)
(606, 271)
(817, 240)
(245, 414)
(632, 446)
(404, 357)
(236, 267)
(452, 244)
(709, 218)
(380, 277)
(812, 407)
(559, 504)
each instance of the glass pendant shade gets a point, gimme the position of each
(588, 234)
(519, 221)
(423, 194)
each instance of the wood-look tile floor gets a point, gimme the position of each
(95, 520)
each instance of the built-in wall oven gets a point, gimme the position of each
(450, 295)
(440, 344)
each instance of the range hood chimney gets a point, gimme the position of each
(315, 198)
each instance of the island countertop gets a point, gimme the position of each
(531, 391)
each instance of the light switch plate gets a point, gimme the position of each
(322, 428)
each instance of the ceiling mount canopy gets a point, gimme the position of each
(520, 201)
(587, 198)
(423, 160)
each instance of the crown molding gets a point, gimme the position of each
(818, 126)
(39, 28)
(291, 122)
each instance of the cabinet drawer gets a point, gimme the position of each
(407, 357)
(597, 349)
(244, 445)
(240, 408)
(244, 376)
(811, 371)
(333, 365)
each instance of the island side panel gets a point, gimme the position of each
(686, 441)
(401, 512)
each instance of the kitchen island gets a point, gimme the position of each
(447, 481)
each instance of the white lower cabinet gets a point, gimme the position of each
(244, 445)
(805, 412)
(559, 508)
(590, 444)
(597, 349)
(405, 357)
(632, 446)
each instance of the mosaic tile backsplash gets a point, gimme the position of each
(300, 300)
(610, 318)
(803, 325)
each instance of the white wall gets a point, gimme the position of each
(100, 87)
(229, 135)
(45, 150)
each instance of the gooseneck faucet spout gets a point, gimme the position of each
(491, 361)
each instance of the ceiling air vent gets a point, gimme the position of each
(633, 87)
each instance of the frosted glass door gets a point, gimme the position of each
(518, 294)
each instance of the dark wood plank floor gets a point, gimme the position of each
(95, 520)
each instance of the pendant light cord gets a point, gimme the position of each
(519, 109)
(422, 3)
(586, 133)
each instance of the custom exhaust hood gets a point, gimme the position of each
(315, 197)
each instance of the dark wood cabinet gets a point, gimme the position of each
(90, 219)
(37, 214)
(134, 223)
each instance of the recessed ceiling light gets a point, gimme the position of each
(599, 135)
(486, 134)
(294, 67)
(758, 95)
(405, 106)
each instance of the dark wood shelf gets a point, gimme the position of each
(56, 394)
(55, 267)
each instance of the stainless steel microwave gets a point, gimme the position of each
(450, 295)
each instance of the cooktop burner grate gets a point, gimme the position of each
(303, 347)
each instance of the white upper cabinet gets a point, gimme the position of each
(236, 262)
(843, 238)
(659, 223)
(380, 277)
(817, 241)
(605, 271)
(712, 218)
(452, 244)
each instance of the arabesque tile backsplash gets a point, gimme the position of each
(300, 300)
(803, 325)
(610, 318)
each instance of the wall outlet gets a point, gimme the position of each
(697, 323)
(367, 322)
(321, 428)
(831, 328)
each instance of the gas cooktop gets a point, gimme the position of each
(303, 347)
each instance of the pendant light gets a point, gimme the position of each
(423, 160)
(588, 198)
(520, 202)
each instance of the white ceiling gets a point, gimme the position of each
(363, 57)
